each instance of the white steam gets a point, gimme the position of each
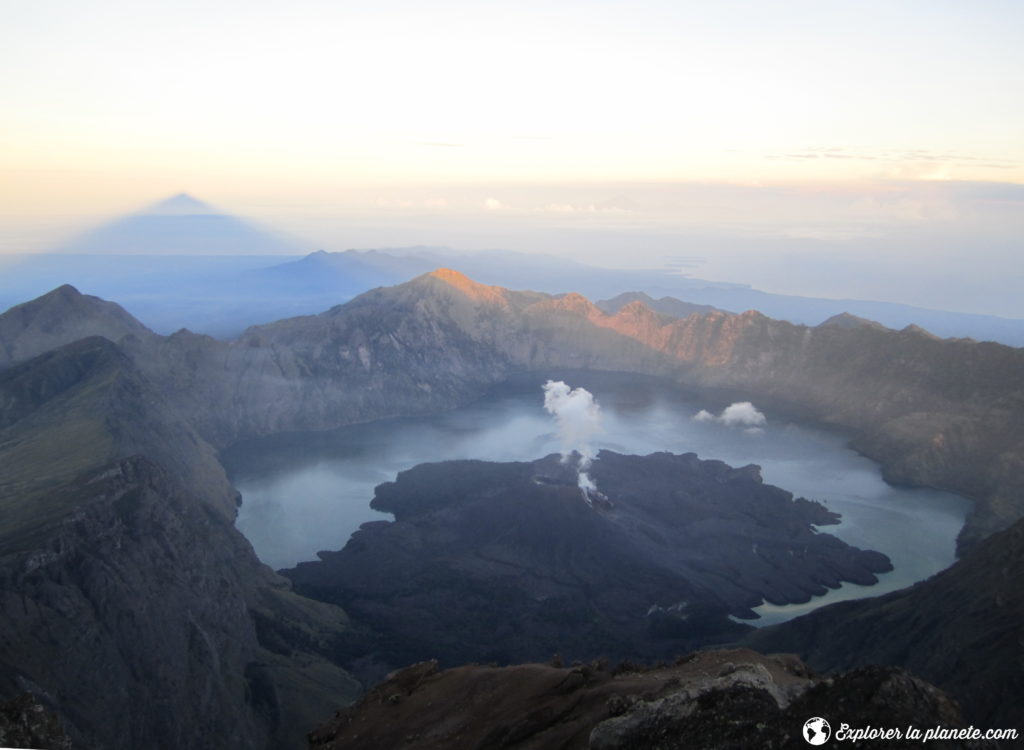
(579, 419)
(740, 414)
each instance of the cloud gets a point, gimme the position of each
(493, 204)
(914, 163)
(739, 414)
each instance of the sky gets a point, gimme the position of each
(680, 128)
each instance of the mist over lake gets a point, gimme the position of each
(306, 492)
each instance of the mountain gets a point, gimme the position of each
(961, 629)
(934, 412)
(846, 320)
(208, 293)
(670, 306)
(119, 561)
(180, 225)
(940, 413)
(166, 274)
(726, 700)
(554, 275)
(59, 317)
(812, 310)
(131, 605)
(330, 278)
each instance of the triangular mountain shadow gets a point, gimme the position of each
(179, 205)
(181, 225)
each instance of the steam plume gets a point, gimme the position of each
(579, 419)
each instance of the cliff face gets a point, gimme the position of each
(942, 413)
(88, 403)
(418, 348)
(718, 700)
(128, 601)
(962, 629)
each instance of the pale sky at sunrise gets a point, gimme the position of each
(331, 119)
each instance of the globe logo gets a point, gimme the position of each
(817, 731)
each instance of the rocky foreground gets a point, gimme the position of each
(962, 629)
(715, 700)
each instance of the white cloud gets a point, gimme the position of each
(738, 414)
(741, 413)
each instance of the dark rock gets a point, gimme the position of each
(718, 700)
(962, 629)
(128, 597)
(25, 722)
(508, 562)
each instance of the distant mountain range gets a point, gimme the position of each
(183, 264)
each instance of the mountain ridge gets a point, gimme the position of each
(934, 412)
(59, 317)
(121, 571)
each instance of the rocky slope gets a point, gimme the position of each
(511, 562)
(945, 413)
(962, 629)
(942, 413)
(128, 602)
(60, 317)
(429, 345)
(718, 700)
